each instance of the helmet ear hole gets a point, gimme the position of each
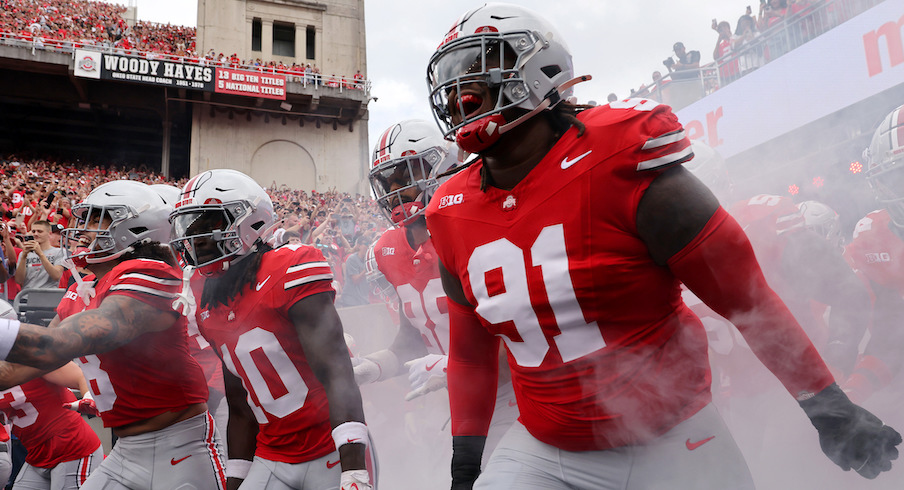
(257, 225)
(138, 230)
(551, 70)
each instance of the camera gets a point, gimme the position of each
(668, 62)
(28, 238)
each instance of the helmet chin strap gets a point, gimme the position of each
(106, 258)
(84, 290)
(551, 99)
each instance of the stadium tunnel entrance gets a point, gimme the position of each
(44, 111)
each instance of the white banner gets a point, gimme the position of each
(844, 66)
(87, 63)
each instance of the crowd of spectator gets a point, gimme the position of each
(71, 24)
(341, 225)
(757, 38)
(37, 196)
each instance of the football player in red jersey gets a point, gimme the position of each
(877, 252)
(807, 271)
(409, 161)
(403, 160)
(118, 324)
(269, 315)
(199, 348)
(572, 235)
(62, 449)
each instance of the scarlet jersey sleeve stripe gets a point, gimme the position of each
(157, 280)
(308, 272)
(308, 279)
(143, 289)
(663, 140)
(305, 266)
(679, 156)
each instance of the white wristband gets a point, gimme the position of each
(237, 468)
(9, 330)
(348, 433)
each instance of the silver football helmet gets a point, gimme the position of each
(222, 215)
(509, 48)
(169, 193)
(118, 214)
(407, 161)
(823, 220)
(885, 164)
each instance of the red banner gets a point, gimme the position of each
(250, 83)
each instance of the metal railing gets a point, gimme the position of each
(793, 31)
(315, 80)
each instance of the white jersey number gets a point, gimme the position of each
(99, 381)
(26, 413)
(576, 337)
(269, 374)
(636, 103)
(425, 311)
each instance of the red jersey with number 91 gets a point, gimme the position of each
(259, 345)
(415, 277)
(50, 433)
(152, 374)
(603, 351)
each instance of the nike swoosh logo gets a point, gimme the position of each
(433, 365)
(174, 461)
(353, 440)
(330, 465)
(261, 284)
(567, 163)
(694, 445)
(513, 403)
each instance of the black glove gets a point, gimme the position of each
(466, 454)
(851, 436)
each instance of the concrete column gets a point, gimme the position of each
(165, 154)
(246, 48)
(318, 48)
(266, 40)
(301, 39)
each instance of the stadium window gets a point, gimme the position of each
(284, 39)
(309, 42)
(256, 32)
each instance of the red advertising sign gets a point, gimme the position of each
(250, 83)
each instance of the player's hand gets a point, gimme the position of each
(426, 374)
(851, 436)
(85, 406)
(355, 480)
(366, 371)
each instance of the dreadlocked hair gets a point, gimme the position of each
(565, 115)
(561, 117)
(222, 289)
(150, 250)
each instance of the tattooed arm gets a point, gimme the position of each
(12, 374)
(117, 321)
